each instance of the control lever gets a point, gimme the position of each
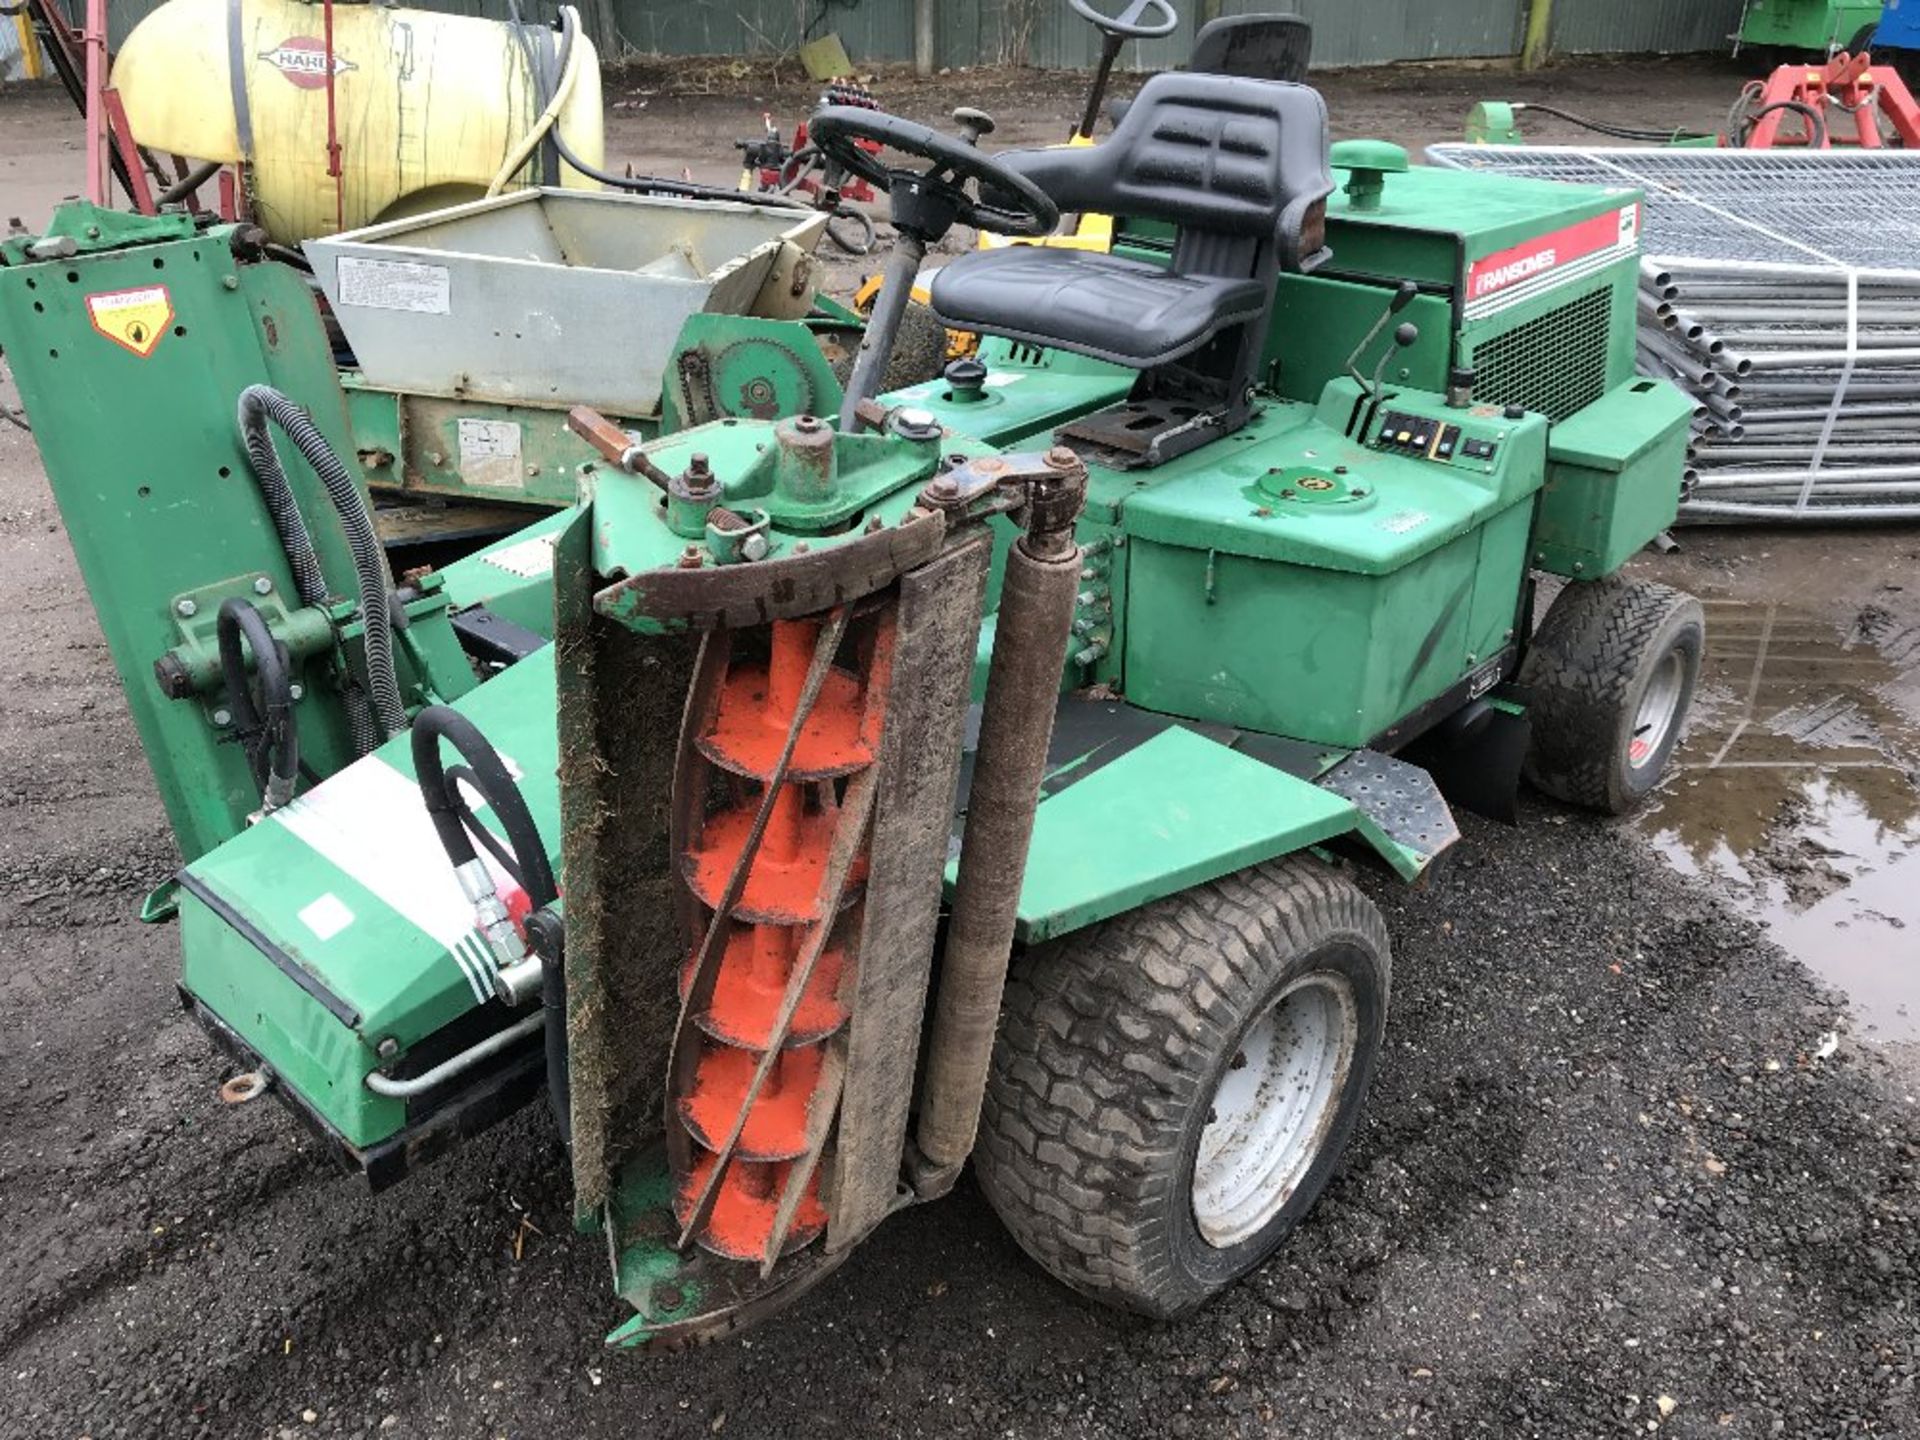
(1404, 338)
(1369, 396)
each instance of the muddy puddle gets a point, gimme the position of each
(1795, 790)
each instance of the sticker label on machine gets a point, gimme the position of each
(490, 454)
(394, 285)
(1517, 274)
(133, 319)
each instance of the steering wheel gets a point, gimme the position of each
(1128, 24)
(931, 202)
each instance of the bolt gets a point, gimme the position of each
(296, 692)
(754, 547)
(1359, 492)
(222, 718)
(387, 1048)
(944, 487)
(698, 468)
(1213, 1115)
(691, 558)
(807, 425)
(187, 609)
(802, 548)
(875, 525)
(435, 458)
(1239, 1061)
(231, 282)
(262, 585)
(668, 1297)
(532, 470)
(1061, 458)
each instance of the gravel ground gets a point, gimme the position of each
(1610, 1183)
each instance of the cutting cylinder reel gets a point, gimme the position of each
(781, 735)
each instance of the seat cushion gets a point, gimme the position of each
(1113, 309)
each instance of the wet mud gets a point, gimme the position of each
(1795, 791)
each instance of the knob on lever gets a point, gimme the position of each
(974, 124)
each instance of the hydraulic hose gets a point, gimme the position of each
(1638, 134)
(260, 404)
(457, 826)
(569, 67)
(489, 775)
(632, 184)
(272, 739)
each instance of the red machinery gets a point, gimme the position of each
(1841, 102)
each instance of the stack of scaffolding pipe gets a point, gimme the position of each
(1807, 379)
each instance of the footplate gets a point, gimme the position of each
(1400, 806)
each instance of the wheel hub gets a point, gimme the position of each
(1273, 1107)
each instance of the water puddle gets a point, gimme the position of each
(1795, 790)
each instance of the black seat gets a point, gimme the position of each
(1120, 310)
(1258, 47)
(1239, 168)
(1255, 47)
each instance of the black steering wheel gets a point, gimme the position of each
(1129, 24)
(930, 202)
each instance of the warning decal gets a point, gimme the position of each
(133, 319)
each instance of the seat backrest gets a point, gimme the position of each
(1258, 47)
(1216, 154)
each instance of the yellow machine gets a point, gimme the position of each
(421, 110)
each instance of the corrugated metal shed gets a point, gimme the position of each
(1594, 27)
(1047, 34)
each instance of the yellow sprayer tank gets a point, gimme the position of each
(428, 107)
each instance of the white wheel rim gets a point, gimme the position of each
(1271, 1112)
(1659, 705)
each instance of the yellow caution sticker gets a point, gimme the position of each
(133, 319)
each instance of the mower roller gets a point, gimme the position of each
(976, 774)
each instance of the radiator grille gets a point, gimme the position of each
(1554, 364)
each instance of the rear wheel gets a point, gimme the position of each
(1172, 1090)
(1611, 673)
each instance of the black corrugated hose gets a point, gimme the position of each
(271, 740)
(260, 404)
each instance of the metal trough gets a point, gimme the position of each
(549, 296)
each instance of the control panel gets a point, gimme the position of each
(1423, 437)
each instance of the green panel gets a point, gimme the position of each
(1317, 323)
(1391, 509)
(512, 577)
(1807, 24)
(308, 1046)
(340, 890)
(146, 465)
(1316, 654)
(1613, 479)
(1029, 392)
(1162, 817)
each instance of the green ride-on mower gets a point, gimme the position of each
(971, 774)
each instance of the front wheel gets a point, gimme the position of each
(1611, 673)
(1171, 1090)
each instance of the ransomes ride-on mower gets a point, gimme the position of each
(964, 775)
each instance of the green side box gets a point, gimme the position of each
(1612, 479)
(1807, 24)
